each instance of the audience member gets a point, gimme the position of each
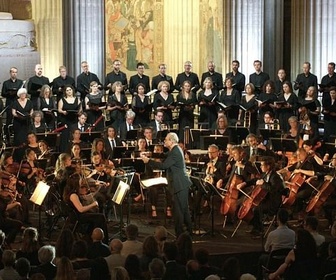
(231, 269)
(132, 245)
(98, 248)
(64, 244)
(193, 270)
(173, 269)
(150, 250)
(184, 248)
(119, 273)
(132, 265)
(202, 256)
(46, 256)
(22, 266)
(65, 270)
(311, 224)
(156, 269)
(30, 246)
(8, 272)
(115, 259)
(160, 235)
(80, 263)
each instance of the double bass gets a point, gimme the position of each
(321, 196)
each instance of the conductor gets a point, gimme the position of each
(178, 182)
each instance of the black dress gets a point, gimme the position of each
(93, 114)
(251, 109)
(142, 109)
(285, 113)
(21, 124)
(232, 101)
(48, 115)
(208, 112)
(186, 115)
(159, 101)
(118, 115)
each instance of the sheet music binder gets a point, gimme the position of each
(220, 140)
(154, 182)
(121, 192)
(283, 144)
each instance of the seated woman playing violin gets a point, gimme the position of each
(75, 187)
(100, 182)
(268, 189)
(17, 202)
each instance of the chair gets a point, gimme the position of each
(277, 258)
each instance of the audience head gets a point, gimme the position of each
(212, 277)
(64, 243)
(156, 268)
(132, 232)
(8, 258)
(79, 249)
(305, 244)
(116, 246)
(192, 267)
(30, 240)
(184, 247)
(311, 223)
(150, 247)
(97, 235)
(22, 266)
(37, 276)
(170, 251)
(202, 256)
(132, 265)
(46, 254)
(160, 233)
(119, 273)
(282, 216)
(231, 268)
(65, 269)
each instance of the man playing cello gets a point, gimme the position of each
(270, 186)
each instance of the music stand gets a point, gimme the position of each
(285, 145)
(137, 164)
(161, 134)
(220, 140)
(330, 148)
(132, 134)
(118, 198)
(238, 133)
(269, 133)
(86, 154)
(51, 138)
(90, 136)
(38, 197)
(212, 190)
(196, 136)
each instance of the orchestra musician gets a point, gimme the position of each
(30, 173)
(32, 143)
(207, 98)
(111, 141)
(289, 106)
(75, 187)
(294, 129)
(127, 125)
(37, 126)
(46, 104)
(157, 125)
(255, 148)
(62, 166)
(98, 145)
(81, 124)
(141, 106)
(76, 153)
(268, 121)
(221, 126)
(271, 182)
(305, 168)
(148, 134)
(92, 103)
(76, 139)
(164, 101)
(45, 153)
(22, 109)
(186, 101)
(117, 105)
(248, 112)
(230, 97)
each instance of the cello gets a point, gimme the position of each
(320, 198)
(229, 202)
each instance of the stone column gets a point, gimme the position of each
(83, 36)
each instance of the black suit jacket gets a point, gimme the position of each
(135, 80)
(174, 271)
(108, 146)
(75, 126)
(123, 130)
(48, 270)
(174, 164)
